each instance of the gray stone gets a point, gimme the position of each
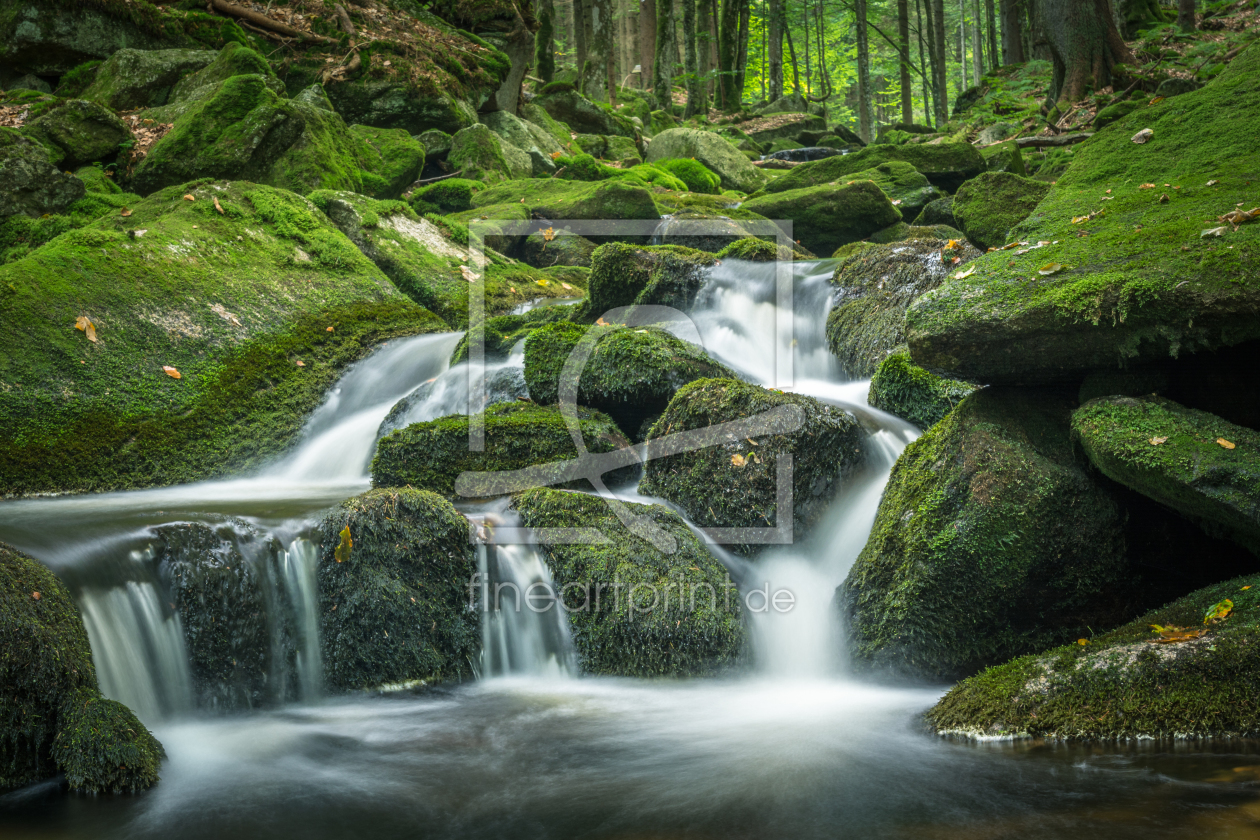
(437, 143)
(1176, 87)
(583, 116)
(29, 182)
(734, 170)
(82, 131)
(996, 133)
(143, 78)
(51, 38)
(29, 82)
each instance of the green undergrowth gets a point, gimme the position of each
(21, 234)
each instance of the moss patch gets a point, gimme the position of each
(946, 165)
(910, 392)
(826, 217)
(988, 206)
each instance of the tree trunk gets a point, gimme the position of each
(1185, 16)
(977, 42)
(728, 54)
(599, 51)
(580, 14)
(647, 44)
(962, 43)
(689, 57)
(741, 57)
(1084, 45)
(925, 71)
(1012, 31)
(796, 68)
(545, 42)
(903, 49)
(942, 77)
(990, 17)
(866, 115)
(666, 56)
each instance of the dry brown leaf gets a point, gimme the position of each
(1147, 187)
(1213, 182)
(301, 363)
(1163, 199)
(1237, 217)
(1142, 136)
(1227, 444)
(963, 275)
(330, 329)
(81, 323)
(1173, 634)
(35, 595)
(567, 287)
(1216, 231)
(172, 372)
(468, 273)
(738, 460)
(125, 212)
(1156, 441)
(90, 332)
(1049, 268)
(218, 206)
(189, 197)
(1156, 100)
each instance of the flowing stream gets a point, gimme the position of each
(793, 749)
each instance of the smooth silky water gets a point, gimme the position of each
(793, 749)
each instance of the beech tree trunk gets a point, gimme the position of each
(545, 42)
(690, 64)
(866, 114)
(925, 72)
(1012, 31)
(942, 77)
(580, 13)
(1084, 45)
(903, 48)
(666, 56)
(741, 55)
(728, 54)
(1185, 16)
(990, 17)
(647, 44)
(599, 51)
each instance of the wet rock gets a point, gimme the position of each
(671, 638)
(826, 217)
(29, 181)
(563, 249)
(81, 132)
(131, 78)
(437, 144)
(807, 153)
(938, 212)
(566, 105)
(664, 275)
(910, 392)
(946, 165)
(825, 449)
(991, 204)
(734, 170)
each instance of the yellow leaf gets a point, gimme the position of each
(1147, 187)
(301, 363)
(1218, 611)
(1245, 588)
(91, 332)
(172, 372)
(601, 322)
(962, 275)
(1049, 268)
(522, 201)
(1156, 100)
(738, 460)
(541, 282)
(189, 197)
(1082, 642)
(951, 245)
(218, 206)
(548, 234)
(1225, 443)
(556, 155)
(330, 329)
(126, 212)
(81, 323)
(342, 552)
(1156, 441)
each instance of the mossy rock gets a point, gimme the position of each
(564, 249)
(734, 171)
(132, 78)
(1139, 282)
(1173, 455)
(826, 217)
(902, 388)
(825, 449)
(79, 132)
(21, 234)
(581, 115)
(988, 206)
(502, 332)
(454, 195)
(559, 199)
(990, 542)
(630, 374)
(698, 177)
(1121, 686)
(661, 275)
(876, 285)
(52, 716)
(938, 212)
(667, 639)
(230, 300)
(755, 250)
(396, 609)
(432, 455)
(945, 165)
(1004, 157)
(1116, 111)
(30, 183)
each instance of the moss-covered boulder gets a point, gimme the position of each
(698, 177)
(79, 132)
(902, 388)
(534, 141)
(992, 203)
(630, 604)
(565, 249)
(581, 115)
(945, 165)
(663, 275)
(1205, 468)
(991, 541)
(876, 285)
(52, 716)
(1004, 157)
(30, 183)
(230, 301)
(630, 374)
(20, 234)
(756, 250)
(718, 490)
(454, 195)
(734, 171)
(394, 602)
(132, 78)
(559, 199)
(826, 217)
(1127, 684)
(1140, 280)
(432, 455)
(938, 212)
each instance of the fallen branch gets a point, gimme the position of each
(260, 20)
(343, 18)
(1044, 142)
(428, 181)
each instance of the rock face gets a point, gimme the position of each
(938, 212)
(876, 285)
(397, 608)
(558, 199)
(664, 275)
(990, 542)
(826, 217)
(52, 716)
(231, 301)
(432, 455)
(82, 132)
(1121, 685)
(581, 115)
(631, 375)
(666, 639)
(29, 182)
(1123, 293)
(387, 104)
(734, 170)
(910, 392)
(946, 165)
(825, 448)
(131, 78)
(989, 205)
(1174, 455)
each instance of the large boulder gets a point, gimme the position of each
(477, 153)
(581, 115)
(630, 374)
(230, 301)
(902, 388)
(558, 199)
(1205, 468)
(785, 126)
(21, 234)
(79, 132)
(946, 165)
(1133, 683)
(432, 455)
(826, 217)
(394, 591)
(663, 275)
(992, 203)
(876, 284)
(990, 542)
(132, 78)
(636, 610)
(907, 187)
(938, 212)
(1148, 274)
(52, 715)
(29, 181)
(386, 103)
(733, 169)
(825, 448)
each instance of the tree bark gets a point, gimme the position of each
(942, 78)
(977, 42)
(1185, 16)
(599, 51)
(866, 115)
(545, 42)
(666, 56)
(647, 44)
(689, 58)
(1084, 45)
(580, 13)
(741, 56)
(1012, 31)
(925, 70)
(796, 68)
(990, 17)
(728, 54)
(903, 50)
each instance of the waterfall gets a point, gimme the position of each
(298, 567)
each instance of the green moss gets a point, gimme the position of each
(584, 167)
(652, 175)
(476, 155)
(989, 205)
(671, 638)
(103, 748)
(502, 332)
(72, 84)
(453, 195)
(663, 275)
(398, 608)
(824, 450)
(755, 250)
(517, 435)
(1188, 470)
(1120, 686)
(694, 174)
(78, 132)
(826, 217)
(21, 234)
(946, 165)
(910, 392)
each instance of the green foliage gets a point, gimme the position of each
(693, 173)
(453, 195)
(912, 393)
(103, 748)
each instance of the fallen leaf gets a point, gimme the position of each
(896, 201)
(35, 595)
(1245, 588)
(1218, 611)
(126, 212)
(541, 282)
(1163, 199)
(556, 155)
(1213, 182)
(1216, 231)
(1156, 441)
(1171, 635)
(522, 201)
(172, 372)
(91, 332)
(738, 460)
(1156, 100)
(1237, 217)
(218, 206)
(1049, 268)
(1225, 443)
(1013, 245)
(963, 275)
(950, 245)
(567, 287)
(468, 273)
(189, 197)
(301, 363)
(330, 329)
(342, 552)
(548, 235)
(601, 322)
(1142, 136)
(1082, 642)
(1147, 187)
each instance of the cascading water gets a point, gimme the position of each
(298, 566)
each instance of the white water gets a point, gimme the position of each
(298, 565)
